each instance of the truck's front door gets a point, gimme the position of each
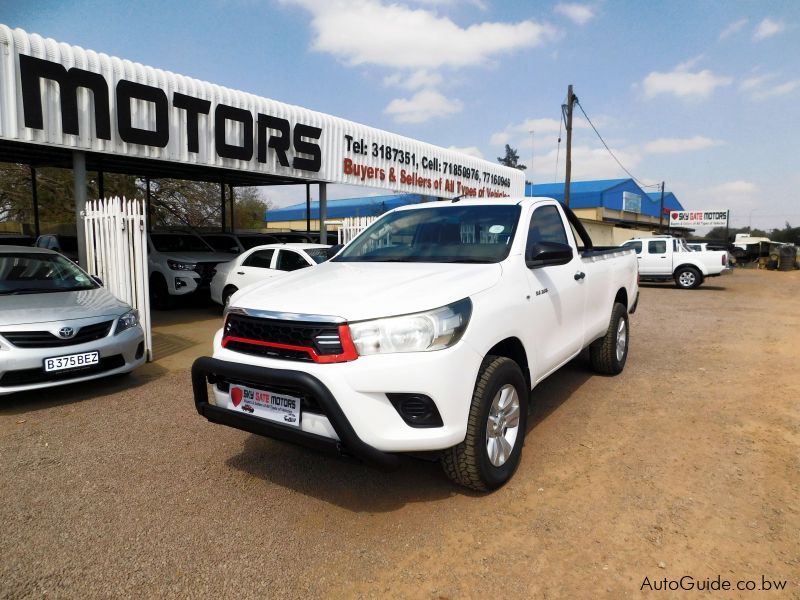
(656, 258)
(557, 296)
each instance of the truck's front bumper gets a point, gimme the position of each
(210, 370)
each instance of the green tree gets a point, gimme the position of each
(511, 159)
(250, 208)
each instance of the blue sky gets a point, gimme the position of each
(701, 94)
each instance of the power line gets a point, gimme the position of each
(621, 166)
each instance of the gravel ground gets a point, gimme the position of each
(686, 464)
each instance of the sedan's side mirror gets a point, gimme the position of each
(545, 254)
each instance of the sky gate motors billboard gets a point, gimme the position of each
(59, 95)
(698, 218)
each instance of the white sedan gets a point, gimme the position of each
(262, 263)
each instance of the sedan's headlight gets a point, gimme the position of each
(177, 265)
(126, 321)
(419, 332)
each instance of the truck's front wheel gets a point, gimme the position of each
(491, 450)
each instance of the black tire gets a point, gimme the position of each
(603, 352)
(688, 278)
(159, 293)
(468, 464)
(227, 293)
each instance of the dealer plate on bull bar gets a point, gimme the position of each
(272, 406)
(71, 361)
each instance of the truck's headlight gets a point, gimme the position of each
(419, 332)
(126, 321)
(177, 265)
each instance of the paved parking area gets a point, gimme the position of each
(686, 464)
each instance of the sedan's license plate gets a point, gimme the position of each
(71, 361)
(267, 405)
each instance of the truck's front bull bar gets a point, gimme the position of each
(207, 369)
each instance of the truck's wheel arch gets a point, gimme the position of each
(513, 348)
(697, 268)
(622, 298)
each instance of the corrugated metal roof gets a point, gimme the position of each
(136, 112)
(670, 201)
(367, 206)
(576, 187)
(606, 193)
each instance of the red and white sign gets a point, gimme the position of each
(699, 218)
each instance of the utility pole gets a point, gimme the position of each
(532, 140)
(570, 101)
(661, 211)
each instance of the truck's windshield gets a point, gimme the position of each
(444, 233)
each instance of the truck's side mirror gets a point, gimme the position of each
(545, 254)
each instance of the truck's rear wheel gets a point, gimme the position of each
(491, 450)
(688, 278)
(610, 352)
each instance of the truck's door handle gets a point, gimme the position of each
(579, 275)
(240, 272)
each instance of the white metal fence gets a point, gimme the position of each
(116, 252)
(352, 226)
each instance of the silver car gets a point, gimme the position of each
(58, 325)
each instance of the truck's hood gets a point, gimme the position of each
(199, 257)
(357, 291)
(59, 306)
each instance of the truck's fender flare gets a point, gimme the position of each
(703, 270)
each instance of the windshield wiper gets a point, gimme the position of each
(481, 261)
(42, 290)
(25, 291)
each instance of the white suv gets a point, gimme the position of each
(180, 264)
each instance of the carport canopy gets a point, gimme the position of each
(64, 106)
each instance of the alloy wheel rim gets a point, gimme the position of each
(502, 425)
(687, 278)
(622, 339)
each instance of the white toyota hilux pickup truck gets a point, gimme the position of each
(424, 335)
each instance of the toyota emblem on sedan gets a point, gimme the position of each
(66, 332)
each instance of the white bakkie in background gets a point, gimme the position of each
(665, 258)
(425, 334)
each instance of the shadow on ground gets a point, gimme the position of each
(358, 488)
(670, 285)
(70, 393)
(187, 310)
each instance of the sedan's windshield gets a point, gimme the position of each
(171, 242)
(444, 233)
(35, 272)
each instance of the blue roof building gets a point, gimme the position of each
(620, 195)
(368, 206)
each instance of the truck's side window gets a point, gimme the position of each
(637, 246)
(260, 258)
(657, 246)
(546, 226)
